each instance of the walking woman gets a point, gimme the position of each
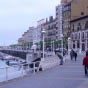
(85, 63)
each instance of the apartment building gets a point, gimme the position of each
(64, 2)
(79, 25)
(20, 41)
(37, 33)
(79, 35)
(79, 8)
(26, 40)
(59, 21)
(51, 31)
(66, 13)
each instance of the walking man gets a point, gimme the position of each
(71, 54)
(75, 55)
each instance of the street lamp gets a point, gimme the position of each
(69, 45)
(53, 47)
(80, 51)
(62, 43)
(43, 32)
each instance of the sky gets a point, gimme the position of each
(16, 16)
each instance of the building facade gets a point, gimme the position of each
(20, 41)
(51, 34)
(26, 41)
(59, 21)
(64, 2)
(79, 25)
(32, 36)
(79, 35)
(66, 20)
(79, 8)
(37, 33)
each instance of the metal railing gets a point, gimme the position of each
(20, 70)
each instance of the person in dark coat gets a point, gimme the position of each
(71, 54)
(75, 55)
(37, 63)
(7, 63)
(85, 63)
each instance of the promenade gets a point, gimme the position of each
(69, 75)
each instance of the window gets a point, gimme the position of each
(78, 44)
(54, 25)
(79, 35)
(79, 27)
(49, 27)
(74, 46)
(86, 25)
(87, 34)
(87, 43)
(82, 35)
(72, 36)
(56, 14)
(82, 13)
(73, 27)
(75, 36)
(83, 47)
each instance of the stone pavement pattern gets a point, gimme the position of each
(69, 75)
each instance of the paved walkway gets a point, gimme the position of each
(70, 75)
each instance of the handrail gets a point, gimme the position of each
(24, 69)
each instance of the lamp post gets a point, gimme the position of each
(62, 43)
(80, 51)
(53, 47)
(69, 45)
(43, 32)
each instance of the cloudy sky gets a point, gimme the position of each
(17, 15)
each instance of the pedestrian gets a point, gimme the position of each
(60, 57)
(72, 54)
(55, 52)
(85, 63)
(8, 63)
(75, 55)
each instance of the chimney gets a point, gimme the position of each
(46, 20)
(51, 18)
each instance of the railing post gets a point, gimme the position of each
(38, 66)
(22, 71)
(28, 67)
(34, 67)
(6, 73)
